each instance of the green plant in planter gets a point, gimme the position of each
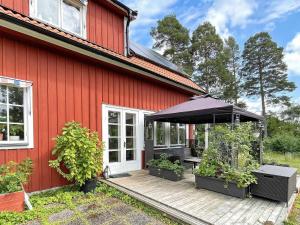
(79, 151)
(13, 175)
(215, 164)
(164, 163)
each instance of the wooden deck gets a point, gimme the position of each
(198, 206)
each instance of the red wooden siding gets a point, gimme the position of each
(21, 6)
(67, 89)
(104, 26)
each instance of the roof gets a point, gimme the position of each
(23, 20)
(154, 57)
(201, 110)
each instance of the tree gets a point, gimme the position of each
(173, 38)
(209, 59)
(233, 83)
(264, 71)
(292, 113)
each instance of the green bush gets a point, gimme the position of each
(283, 142)
(13, 175)
(80, 151)
(164, 163)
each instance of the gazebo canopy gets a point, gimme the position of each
(202, 110)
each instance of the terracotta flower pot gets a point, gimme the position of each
(12, 202)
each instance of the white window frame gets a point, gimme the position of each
(75, 3)
(28, 119)
(168, 136)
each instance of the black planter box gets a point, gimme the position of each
(166, 174)
(218, 185)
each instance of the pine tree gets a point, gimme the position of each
(209, 59)
(173, 38)
(264, 71)
(232, 90)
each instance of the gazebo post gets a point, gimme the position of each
(261, 133)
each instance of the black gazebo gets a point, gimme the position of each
(201, 110)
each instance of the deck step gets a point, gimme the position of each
(172, 212)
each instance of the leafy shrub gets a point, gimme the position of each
(80, 151)
(283, 142)
(164, 163)
(216, 163)
(13, 175)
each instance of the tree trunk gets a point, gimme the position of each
(263, 103)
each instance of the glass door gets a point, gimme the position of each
(120, 137)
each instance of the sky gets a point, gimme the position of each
(238, 18)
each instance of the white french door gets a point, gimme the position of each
(120, 135)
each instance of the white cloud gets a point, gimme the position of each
(149, 12)
(231, 13)
(279, 8)
(254, 105)
(292, 55)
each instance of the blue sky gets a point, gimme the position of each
(240, 18)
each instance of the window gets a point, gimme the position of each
(177, 134)
(70, 15)
(182, 134)
(15, 116)
(114, 140)
(160, 133)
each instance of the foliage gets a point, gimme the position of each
(283, 142)
(264, 71)
(294, 216)
(218, 160)
(233, 83)
(14, 175)
(80, 151)
(164, 163)
(277, 126)
(171, 36)
(50, 202)
(209, 59)
(292, 114)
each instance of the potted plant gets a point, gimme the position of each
(165, 168)
(79, 155)
(12, 178)
(14, 133)
(218, 171)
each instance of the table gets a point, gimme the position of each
(194, 160)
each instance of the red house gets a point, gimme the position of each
(64, 60)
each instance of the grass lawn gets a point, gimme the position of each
(292, 159)
(294, 217)
(69, 206)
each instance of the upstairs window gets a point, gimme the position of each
(69, 15)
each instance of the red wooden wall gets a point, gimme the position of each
(104, 26)
(65, 89)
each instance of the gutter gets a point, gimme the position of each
(39, 33)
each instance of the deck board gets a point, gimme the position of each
(204, 205)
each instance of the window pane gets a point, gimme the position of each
(182, 134)
(3, 132)
(3, 113)
(173, 133)
(160, 133)
(130, 131)
(130, 118)
(113, 117)
(16, 132)
(130, 155)
(48, 10)
(15, 95)
(3, 94)
(148, 131)
(130, 143)
(114, 143)
(71, 18)
(16, 114)
(113, 130)
(114, 156)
